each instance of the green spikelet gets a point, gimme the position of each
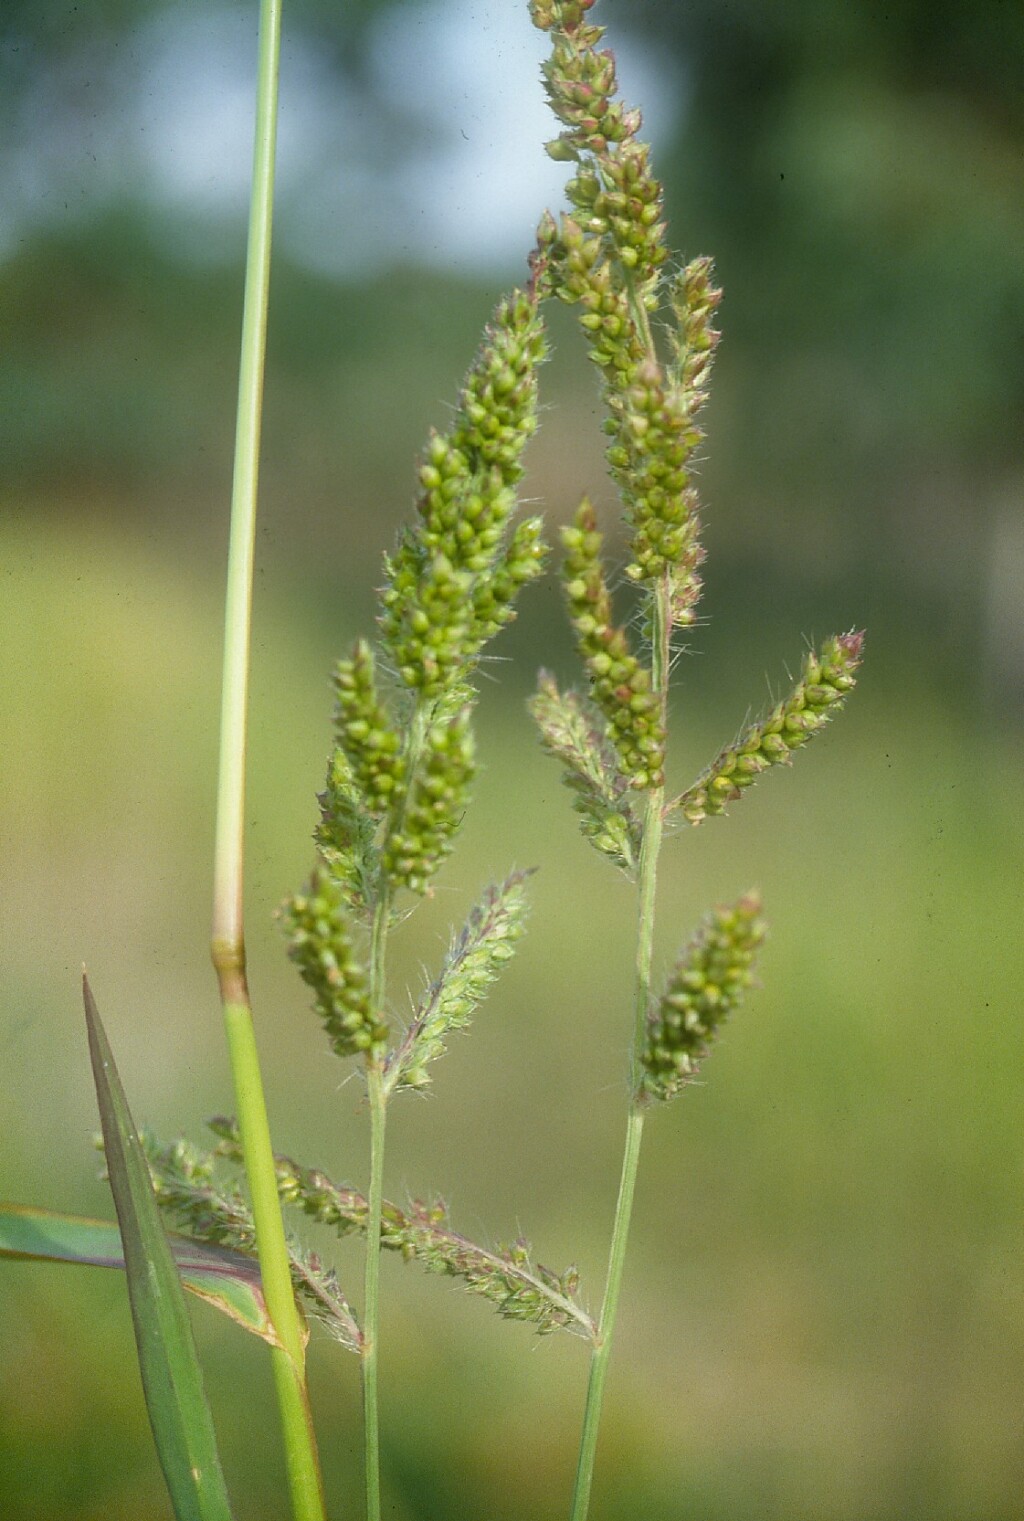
(621, 686)
(453, 579)
(818, 695)
(320, 945)
(706, 984)
(486, 943)
(371, 746)
(572, 731)
(418, 845)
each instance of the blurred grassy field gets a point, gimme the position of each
(823, 1313)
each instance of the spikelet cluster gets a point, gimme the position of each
(320, 944)
(483, 947)
(366, 737)
(452, 582)
(572, 730)
(607, 257)
(622, 687)
(422, 1233)
(706, 984)
(826, 679)
(423, 837)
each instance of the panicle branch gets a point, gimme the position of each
(572, 730)
(187, 1189)
(622, 688)
(476, 956)
(422, 1233)
(451, 583)
(320, 944)
(707, 983)
(420, 838)
(826, 680)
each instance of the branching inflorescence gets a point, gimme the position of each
(403, 754)
(607, 257)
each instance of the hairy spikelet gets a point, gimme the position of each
(320, 944)
(572, 730)
(818, 695)
(346, 837)
(188, 1190)
(706, 984)
(421, 838)
(422, 1233)
(453, 579)
(487, 941)
(621, 685)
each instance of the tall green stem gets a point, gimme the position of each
(647, 888)
(371, 1313)
(378, 1093)
(375, 1197)
(228, 938)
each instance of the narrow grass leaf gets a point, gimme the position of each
(226, 1279)
(171, 1376)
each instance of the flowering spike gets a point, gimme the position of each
(707, 983)
(320, 945)
(818, 695)
(371, 746)
(607, 257)
(422, 838)
(423, 1233)
(572, 731)
(474, 959)
(621, 686)
(453, 578)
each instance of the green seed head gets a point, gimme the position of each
(320, 944)
(706, 984)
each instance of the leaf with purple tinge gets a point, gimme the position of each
(224, 1278)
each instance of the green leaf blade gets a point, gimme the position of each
(171, 1376)
(224, 1278)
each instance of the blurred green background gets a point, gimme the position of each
(824, 1311)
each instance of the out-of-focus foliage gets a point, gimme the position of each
(858, 170)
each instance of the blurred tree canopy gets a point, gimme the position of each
(860, 168)
(856, 168)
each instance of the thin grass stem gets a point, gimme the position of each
(371, 1303)
(378, 1093)
(647, 891)
(228, 937)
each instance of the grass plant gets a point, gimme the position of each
(403, 755)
